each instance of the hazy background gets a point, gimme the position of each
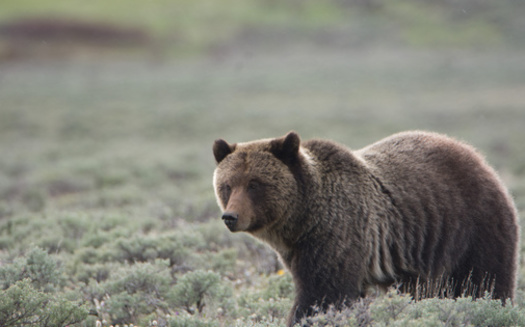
(112, 106)
(155, 82)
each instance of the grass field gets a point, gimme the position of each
(107, 210)
(107, 165)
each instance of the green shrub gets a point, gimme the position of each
(98, 272)
(53, 231)
(23, 305)
(96, 238)
(200, 288)
(258, 309)
(259, 255)
(174, 246)
(343, 318)
(191, 322)
(30, 293)
(222, 262)
(489, 312)
(74, 225)
(132, 292)
(137, 249)
(246, 322)
(395, 309)
(88, 255)
(37, 266)
(272, 309)
(280, 286)
(390, 307)
(216, 235)
(271, 303)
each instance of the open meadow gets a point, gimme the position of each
(107, 211)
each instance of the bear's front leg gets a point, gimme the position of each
(302, 308)
(311, 299)
(323, 281)
(294, 316)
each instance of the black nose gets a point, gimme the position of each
(230, 219)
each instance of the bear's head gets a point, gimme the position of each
(256, 182)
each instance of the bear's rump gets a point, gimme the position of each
(454, 217)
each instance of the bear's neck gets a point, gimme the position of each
(278, 243)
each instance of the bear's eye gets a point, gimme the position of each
(254, 185)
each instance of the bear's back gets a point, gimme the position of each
(422, 163)
(416, 160)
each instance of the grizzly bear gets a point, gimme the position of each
(412, 208)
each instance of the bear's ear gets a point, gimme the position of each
(286, 148)
(221, 149)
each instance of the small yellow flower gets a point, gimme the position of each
(280, 272)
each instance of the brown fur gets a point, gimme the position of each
(410, 209)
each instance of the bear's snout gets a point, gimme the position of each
(230, 219)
